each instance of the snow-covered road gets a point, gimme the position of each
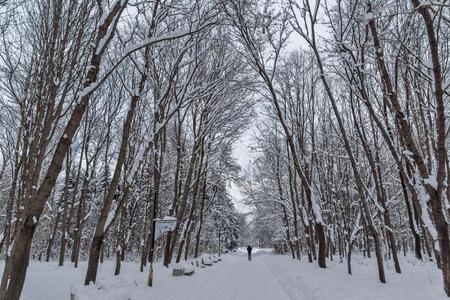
(240, 279)
(266, 277)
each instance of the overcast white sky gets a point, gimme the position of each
(241, 152)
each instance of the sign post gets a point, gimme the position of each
(160, 226)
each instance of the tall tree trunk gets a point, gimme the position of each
(202, 208)
(411, 220)
(52, 236)
(184, 241)
(176, 188)
(11, 199)
(120, 240)
(12, 282)
(94, 255)
(356, 173)
(67, 216)
(436, 193)
(183, 200)
(80, 219)
(294, 210)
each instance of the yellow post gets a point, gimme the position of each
(150, 275)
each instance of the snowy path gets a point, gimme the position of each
(240, 279)
(266, 277)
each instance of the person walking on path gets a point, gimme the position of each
(249, 251)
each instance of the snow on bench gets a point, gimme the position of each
(188, 268)
(209, 259)
(183, 269)
(206, 260)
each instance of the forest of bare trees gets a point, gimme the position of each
(114, 113)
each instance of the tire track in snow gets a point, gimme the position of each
(293, 286)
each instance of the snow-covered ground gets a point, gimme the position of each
(267, 276)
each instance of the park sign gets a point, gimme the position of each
(160, 226)
(164, 225)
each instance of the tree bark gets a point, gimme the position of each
(12, 282)
(91, 273)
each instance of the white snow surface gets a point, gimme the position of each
(266, 277)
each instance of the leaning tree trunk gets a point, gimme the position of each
(349, 255)
(66, 216)
(120, 240)
(356, 173)
(436, 193)
(80, 220)
(202, 209)
(411, 220)
(294, 210)
(189, 222)
(374, 163)
(12, 282)
(11, 199)
(94, 255)
(183, 200)
(61, 202)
